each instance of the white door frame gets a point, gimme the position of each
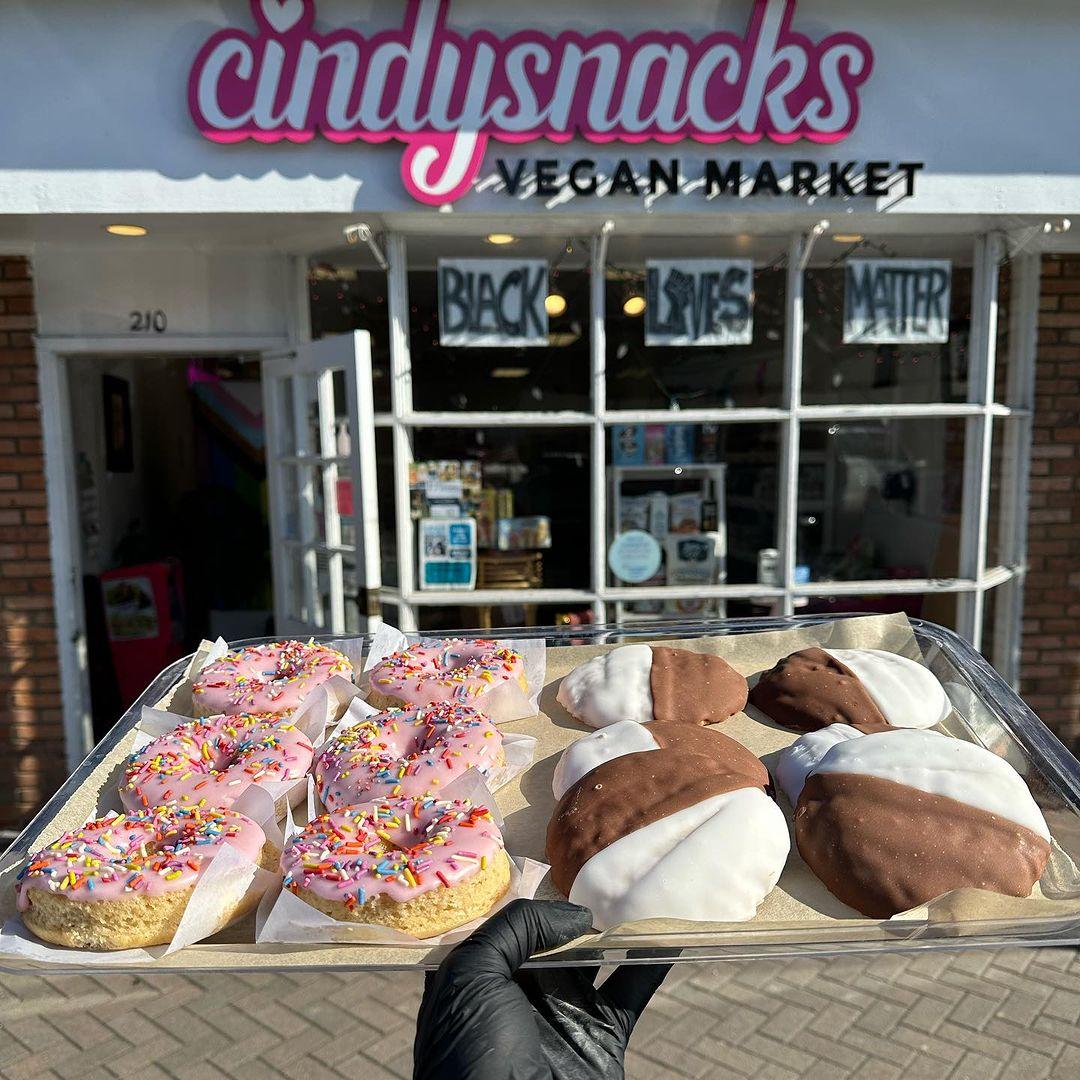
(65, 548)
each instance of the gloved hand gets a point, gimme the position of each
(483, 1019)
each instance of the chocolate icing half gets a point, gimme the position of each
(694, 688)
(811, 689)
(630, 792)
(883, 847)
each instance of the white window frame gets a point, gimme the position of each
(975, 579)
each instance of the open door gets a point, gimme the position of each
(324, 519)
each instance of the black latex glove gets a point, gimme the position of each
(483, 1019)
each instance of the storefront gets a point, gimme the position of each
(751, 323)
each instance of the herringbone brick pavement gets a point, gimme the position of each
(977, 1015)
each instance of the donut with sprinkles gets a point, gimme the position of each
(273, 678)
(450, 669)
(124, 881)
(422, 866)
(213, 761)
(406, 752)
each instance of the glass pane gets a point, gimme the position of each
(641, 376)
(527, 488)
(1046, 493)
(284, 438)
(879, 499)
(384, 468)
(1001, 366)
(345, 299)
(555, 376)
(835, 373)
(290, 501)
(706, 493)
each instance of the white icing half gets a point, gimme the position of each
(712, 862)
(613, 741)
(939, 765)
(907, 694)
(611, 687)
(797, 761)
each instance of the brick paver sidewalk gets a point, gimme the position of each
(980, 1015)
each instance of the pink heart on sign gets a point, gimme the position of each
(282, 15)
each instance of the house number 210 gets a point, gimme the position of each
(148, 322)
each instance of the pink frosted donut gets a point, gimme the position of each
(422, 866)
(450, 669)
(123, 881)
(406, 752)
(265, 678)
(212, 762)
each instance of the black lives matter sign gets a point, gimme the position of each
(699, 301)
(492, 303)
(896, 301)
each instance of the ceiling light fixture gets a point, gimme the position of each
(509, 372)
(555, 304)
(126, 230)
(500, 238)
(634, 305)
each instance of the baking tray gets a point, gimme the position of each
(988, 711)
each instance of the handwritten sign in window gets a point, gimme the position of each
(896, 301)
(492, 303)
(699, 302)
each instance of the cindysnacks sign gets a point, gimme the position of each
(445, 94)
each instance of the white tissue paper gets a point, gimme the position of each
(507, 701)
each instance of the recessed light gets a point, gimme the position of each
(126, 230)
(555, 304)
(634, 305)
(847, 238)
(509, 372)
(500, 238)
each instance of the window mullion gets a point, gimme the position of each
(598, 367)
(401, 404)
(787, 488)
(974, 519)
(1016, 460)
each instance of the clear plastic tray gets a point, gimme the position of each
(990, 712)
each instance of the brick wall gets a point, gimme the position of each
(31, 730)
(1050, 662)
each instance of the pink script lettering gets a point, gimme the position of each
(445, 94)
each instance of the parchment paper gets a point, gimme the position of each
(798, 911)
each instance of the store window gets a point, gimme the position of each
(344, 299)
(534, 378)
(879, 499)
(706, 494)
(527, 492)
(859, 373)
(643, 375)
(877, 456)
